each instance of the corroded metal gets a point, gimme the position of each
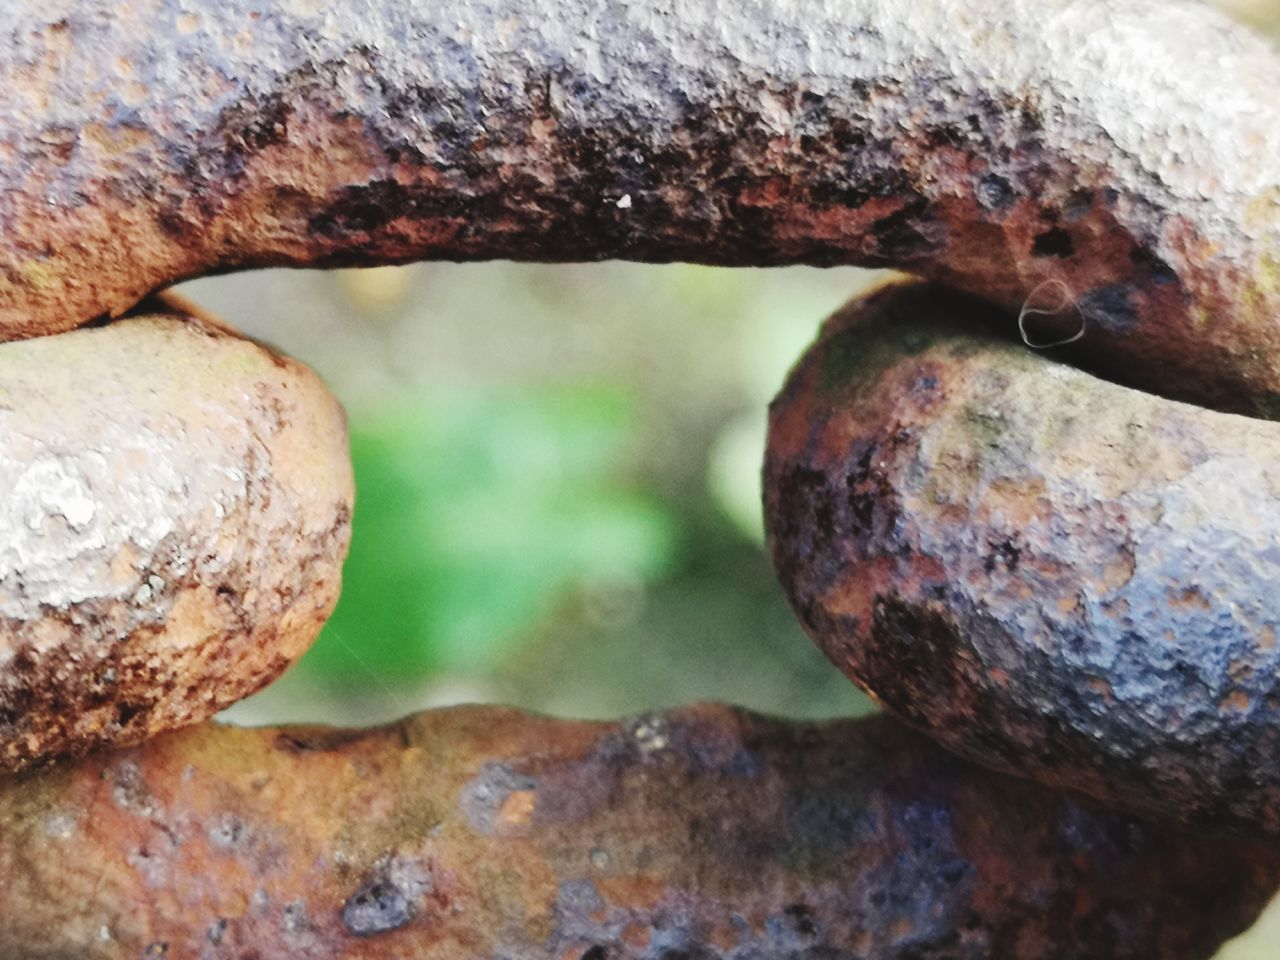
(703, 833)
(993, 146)
(176, 507)
(1078, 597)
(1051, 574)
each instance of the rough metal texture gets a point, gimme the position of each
(705, 833)
(175, 514)
(1071, 617)
(1052, 574)
(990, 145)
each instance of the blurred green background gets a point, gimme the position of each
(558, 486)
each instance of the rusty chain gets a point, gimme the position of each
(1049, 572)
(704, 832)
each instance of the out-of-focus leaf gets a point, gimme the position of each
(475, 515)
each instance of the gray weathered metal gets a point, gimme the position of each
(1052, 574)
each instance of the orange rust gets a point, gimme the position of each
(268, 838)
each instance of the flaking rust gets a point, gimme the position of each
(176, 508)
(989, 145)
(1051, 574)
(1055, 576)
(705, 833)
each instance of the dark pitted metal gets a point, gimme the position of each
(1052, 574)
(703, 833)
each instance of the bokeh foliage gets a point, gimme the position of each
(477, 513)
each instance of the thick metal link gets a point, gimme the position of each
(177, 505)
(1126, 150)
(1049, 573)
(1052, 574)
(705, 833)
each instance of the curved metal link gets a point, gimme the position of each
(973, 142)
(1052, 574)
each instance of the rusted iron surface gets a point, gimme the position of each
(703, 833)
(991, 144)
(176, 507)
(1054, 576)
(1049, 573)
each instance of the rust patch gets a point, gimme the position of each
(861, 839)
(1030, 565)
